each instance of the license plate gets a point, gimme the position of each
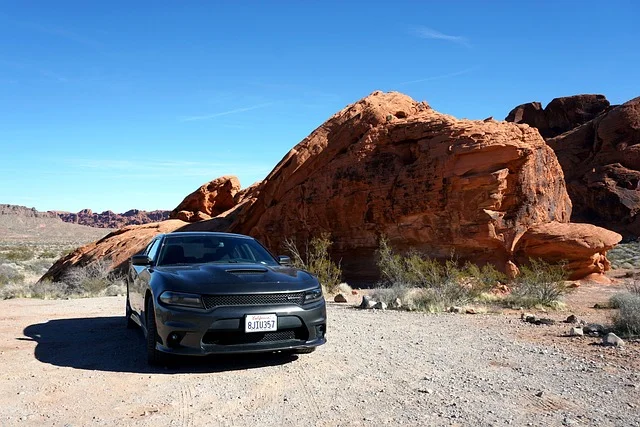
(260, 323)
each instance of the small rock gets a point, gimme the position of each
(612, 339)
(539, 394)
(545, 321)
(340, 298)
(454, 309)
(593, 329)
(380, 305)
(367, 302)
(397, 303)
(471, 310)
(576, 331)
(571, 319)
(530, 318)
(354, 292)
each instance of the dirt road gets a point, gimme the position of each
(73, 363)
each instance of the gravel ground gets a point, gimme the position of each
(73, 363)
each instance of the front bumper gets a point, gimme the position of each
(221, 330)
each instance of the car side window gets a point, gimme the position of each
(153, 249)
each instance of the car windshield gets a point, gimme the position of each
(199, 249)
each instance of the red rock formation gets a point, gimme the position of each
(388, 165)
(118, 246)
(601, 162)
(109, 219)
(561, 115)
(582, 246)
(209, 200)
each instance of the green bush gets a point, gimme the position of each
(19, 253)
(539, 283)
(627, 320)
(440, 284)
(317, 261)
(10, 275)
(91, 279)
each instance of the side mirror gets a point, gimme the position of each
(284, 260)
(141, 260)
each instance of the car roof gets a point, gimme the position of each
(205, 233)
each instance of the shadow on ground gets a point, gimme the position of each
(104, 344)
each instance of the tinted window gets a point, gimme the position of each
(153, 249)
(213, 249)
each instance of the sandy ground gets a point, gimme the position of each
(73, 363)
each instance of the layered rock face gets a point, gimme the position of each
(210, 200)
(109, 219)
(118, 247)
(601, 163)
(561, 115)
(582, 246)
(483, 191)
(388, 165)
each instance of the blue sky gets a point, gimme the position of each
(119, 105)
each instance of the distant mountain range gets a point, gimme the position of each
(106, 219)
(109, 219)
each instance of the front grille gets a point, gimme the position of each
(212, 301)
(237, 337)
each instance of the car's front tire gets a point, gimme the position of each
(154, 357)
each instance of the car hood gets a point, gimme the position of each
(233, 278)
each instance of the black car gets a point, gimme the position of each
(199, 293)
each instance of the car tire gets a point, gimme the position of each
(154, 357)
(130, 323)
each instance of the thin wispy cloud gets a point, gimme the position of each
(439, 77)
(225, 113)
(430, 33)
(52, 31)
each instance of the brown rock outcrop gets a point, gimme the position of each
(209, 200)
(388, 165)
(561, 115)
(601, 163)
(582, 246)
(118, 246)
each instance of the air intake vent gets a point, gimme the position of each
(247, 270)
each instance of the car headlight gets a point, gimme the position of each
(312, 296)
(181, 299)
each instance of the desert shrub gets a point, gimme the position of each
(627, 320)
(18, 253)
(440, 284)
(48, 254)
(38, 266)
(539, 283)
(317, 261)
(91, 279)
(9, 274)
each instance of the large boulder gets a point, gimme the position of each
(210, 200)
(117, 247)
(601, 163)
(582, 246)
(390, 166)
(561, 115)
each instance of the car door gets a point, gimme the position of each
(140, 276)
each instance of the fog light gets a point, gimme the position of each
(174, 338)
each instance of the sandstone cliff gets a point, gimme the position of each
(388, 165)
